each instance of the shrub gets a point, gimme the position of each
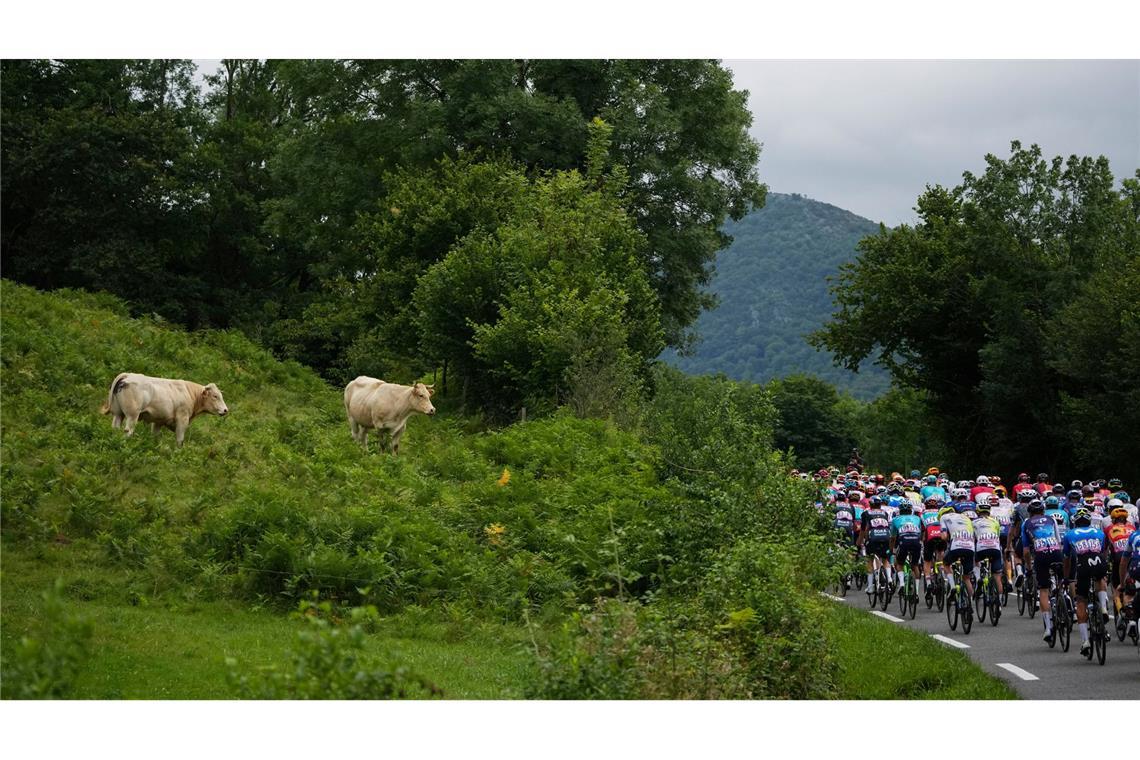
(327, 663)
(44, 665)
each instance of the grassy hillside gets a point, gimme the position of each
(773, 290)
(132, 568)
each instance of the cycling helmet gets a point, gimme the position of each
(1076, 484)
(915, 473)
(960, 494)
(983, 507)
(1026, 495)
(1114, 503)
(1073, 495)
(880, 490)
(1082, 515)
(1115, 483)
(1000, 491)
(855, 495)
(1023, 477)
(1036, 506)
(1058, 489)
(1087, 491)
(983, 499)
(1052, 502)
(877, 501)
(945, 511)
(932, 471)
(982, 480)
(933, 500)
(995, 480)
(906, 508)
(1118, 513)
(931, 480)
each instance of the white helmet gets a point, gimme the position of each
(960, 493)
(983, 499)
(1114, 503)
(982, 480)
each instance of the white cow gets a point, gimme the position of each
(375, 404)
(161, 402)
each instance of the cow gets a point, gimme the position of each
(161, 402)
(375, 404)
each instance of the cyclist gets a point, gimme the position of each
(933, 544)
(987, 533)
(1055, 510)
(1086, 546)
(1071, 502)
(1002, 511)
(1129, 570)
(931, 487)
(1042, 485)
(875, 535)
(844, 518)
(982, 486)
(906, 537)
(1022, 484)
(1118, 533)
(1020, 515)
(1041, 549)
(958, 532)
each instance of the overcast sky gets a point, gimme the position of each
(868, 136)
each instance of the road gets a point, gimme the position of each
(1033, 669)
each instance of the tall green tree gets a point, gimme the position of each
(812, 421)
(961, 305)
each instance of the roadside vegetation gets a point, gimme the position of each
(538, 559)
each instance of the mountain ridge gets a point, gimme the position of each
(772, 288)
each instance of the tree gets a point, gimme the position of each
(962, 305)
(812, 422)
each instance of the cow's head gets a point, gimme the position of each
(213, 402)
(421, 398)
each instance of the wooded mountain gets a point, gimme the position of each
(773, 290)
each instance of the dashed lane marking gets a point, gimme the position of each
(833, 598)
(950, 641)
(884, 615)
(1024, 675)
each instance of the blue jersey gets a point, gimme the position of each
(1132, 554)
(907, 528)
(1039, 534)
(1084, 542)
(966, 507)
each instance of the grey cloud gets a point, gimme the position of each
(870, 135)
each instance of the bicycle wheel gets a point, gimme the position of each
(928, 592)
(1121, 625)
(1097, 632)
(993, 601)
(885, 590)
(912, 595)
(967, 610)
(1032, 602)
(952, 615)
(1063, 625)
(1021, 600)
(860, 580)
(903, 596)
(980, 602)
(940, 592)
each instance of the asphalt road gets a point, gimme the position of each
(1033, 669)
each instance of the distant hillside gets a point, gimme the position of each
(773, 290)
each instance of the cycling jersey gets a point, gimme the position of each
(978, 490)
(844, 518)
(966, 509)
(987, 532)
(931, 525)
(1019, 487)
(960, 530)
(1118, 536)
(875, 525)
(927, 490)
(1040, 535)
(1003, 513)
(907, 529)
(1084, 542)
(1043, 488)
(1061, 517)
(1132, 554)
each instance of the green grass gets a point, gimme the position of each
(176, 649)
(879, 660)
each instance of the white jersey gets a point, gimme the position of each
(961, 530)
(1003, 513)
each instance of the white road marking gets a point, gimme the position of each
(892, 618)
(1024, 675)
(833, 598)
(950, 641)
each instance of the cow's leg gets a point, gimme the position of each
(396, 438)
(180, 425)
(354, 429)
(116, 421)
(129, 422)
(154, 427)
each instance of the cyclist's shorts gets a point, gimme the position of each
(1041, 564)
(934, 545)
(1004, 539)
(908, 550)
(966, 555)
(1092, 569)
(996, 563)
(880, 549)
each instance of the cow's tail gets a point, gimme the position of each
(119, 383)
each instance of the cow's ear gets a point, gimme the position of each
(430, 389)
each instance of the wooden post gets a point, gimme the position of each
(522, 414)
